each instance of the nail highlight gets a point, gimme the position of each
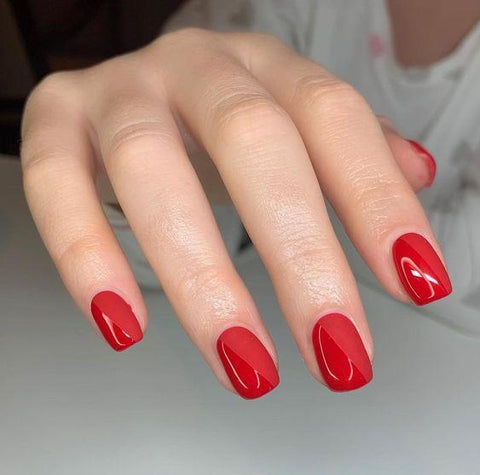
(429, 161)
(247, 363)
(116, 320)
(420, 269)
(341, 355)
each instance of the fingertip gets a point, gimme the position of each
(428, 161)
(116, 320)
(415, 161)
(247, 363)
(343, 360)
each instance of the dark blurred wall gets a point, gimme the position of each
(15, 73)
(136, 22)
(41, 36)
(71, 33)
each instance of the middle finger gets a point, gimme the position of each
(266, 169)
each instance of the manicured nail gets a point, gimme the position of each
(429, 161)
(341, 356)
(116, 320)
(247, 363)
(420, 269)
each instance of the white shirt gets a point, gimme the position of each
(439, 106)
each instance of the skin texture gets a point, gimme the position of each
(282, 132)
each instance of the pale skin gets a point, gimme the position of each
(318, 138)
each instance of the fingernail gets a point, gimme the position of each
(247, 363)
(116, 320)
(429, 161)
(420, 269)
(341, 355)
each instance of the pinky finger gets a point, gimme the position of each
(59, 181)
(416, 163)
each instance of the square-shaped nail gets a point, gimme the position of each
(247, 363)
(341, 355)
(116, 320)
(420, 269)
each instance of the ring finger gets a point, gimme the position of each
(169, 214)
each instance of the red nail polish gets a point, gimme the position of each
(429, 160)
(247, 363)
(420, 269)
(115, 320)
(341, 356)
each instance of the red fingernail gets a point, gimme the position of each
(116, 320)
(341, 356)
(429, 161)
(420, 269)
(247, 363)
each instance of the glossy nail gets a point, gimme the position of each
(341, 355)
(247, 363)
(116, 320)
(420, 269)
(429, 161)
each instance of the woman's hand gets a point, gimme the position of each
(282, 132)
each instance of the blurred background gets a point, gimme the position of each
(41, 36)
(71, 406)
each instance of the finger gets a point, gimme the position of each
(265, 167)
(416, 163)
(356, 169)
(168, 212)
(59, 172)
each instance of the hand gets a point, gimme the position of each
(282, 132)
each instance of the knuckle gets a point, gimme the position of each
(368, 185)
(299, 249)
(326, 94)
(381, 198)
(308, 260)
(121, 73)
(55, 85)
(265, 40)
(379, 201)
(54, 90)
(190, 33)
(236, 118)
(213, 288)
(181, 37)
(52, 84)
(77, 252)
(40, 165)
(168, 223)
(132, 141)
(204, 281)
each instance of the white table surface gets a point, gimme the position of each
(69, 405)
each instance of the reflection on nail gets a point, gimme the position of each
(420, 269)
